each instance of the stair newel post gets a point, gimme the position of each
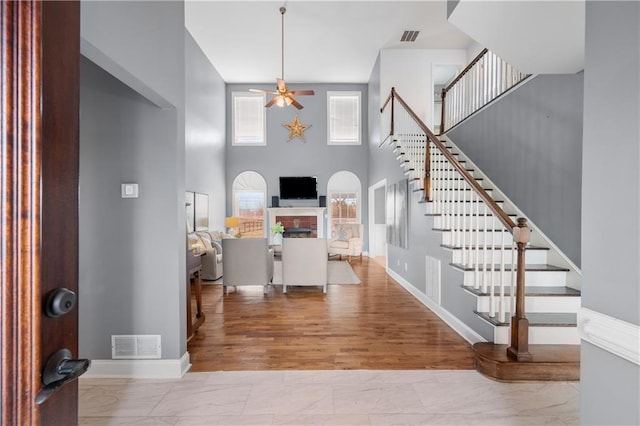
(519, 349)
(427, 170)
(393, 112)
(444, 94)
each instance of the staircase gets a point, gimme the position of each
(476, 223)
(551, 303)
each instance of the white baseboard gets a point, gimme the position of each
(139, 368)
(452, 321)
(619, 337)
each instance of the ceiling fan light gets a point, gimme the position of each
(287, 100)
(280, 101)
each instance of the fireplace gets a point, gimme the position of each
(299, 226)
(309, 221)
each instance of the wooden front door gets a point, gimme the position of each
(39, 122)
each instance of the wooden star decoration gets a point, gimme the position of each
(296, 129)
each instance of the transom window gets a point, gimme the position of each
(248, 118)
(343, 118)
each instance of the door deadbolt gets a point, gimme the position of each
(60, 302)
(60, 370)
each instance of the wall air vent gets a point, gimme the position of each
(409, 36)
(146, 346)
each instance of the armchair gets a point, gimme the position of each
(304, 262)
(212, 260)
(247, 261)
(346, 240)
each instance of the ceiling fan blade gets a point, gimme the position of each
(270, 92)
(295, 103)
(281, 86)
(271, 102)
(301, 92)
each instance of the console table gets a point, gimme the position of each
(194, 267)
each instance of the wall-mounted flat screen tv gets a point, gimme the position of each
(298, 188)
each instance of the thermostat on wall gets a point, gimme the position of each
(129, 190)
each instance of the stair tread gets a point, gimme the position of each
(452, 247)
(537, 319)
(542, 267)
(530, 291)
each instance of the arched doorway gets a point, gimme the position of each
(249, 197)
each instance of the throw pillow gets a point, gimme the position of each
(344, 233)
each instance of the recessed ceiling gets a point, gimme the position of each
(325, 41)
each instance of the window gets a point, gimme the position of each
(344, 118)
(343, 190)
(344, 208)
(249, 194)
(248, 115)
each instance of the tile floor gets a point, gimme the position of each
(344, 397)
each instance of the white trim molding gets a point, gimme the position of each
(451, 320)
(619, 337)
(139, 368)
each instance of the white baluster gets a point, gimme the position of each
(485, 236)
(463, 221)
(476, 207)
(492, 276)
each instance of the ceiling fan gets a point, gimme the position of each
(283, 96)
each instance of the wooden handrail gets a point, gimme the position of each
(466, 70)
(493, 206)
(382, 108)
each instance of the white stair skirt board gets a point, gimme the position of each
(340, 272)
(466, 332)
(139, 368)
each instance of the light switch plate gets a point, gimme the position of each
(129, 190)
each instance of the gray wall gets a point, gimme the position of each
(609, 390)
(132, 252)
(205, 131)
(297, 158)
(127, 268)
(422, 240)
(529, 144)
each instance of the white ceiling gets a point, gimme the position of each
(325, 41)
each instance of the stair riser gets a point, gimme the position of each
(535, 304)
(492, 238)
(442, 188)
(531, 256)
(466, 208)
(532, 278)
(542, 335)
(468, 221)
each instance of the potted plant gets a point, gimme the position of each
(277, 230)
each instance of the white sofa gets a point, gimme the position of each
(247, 261)
(347, 240)
(304, 262)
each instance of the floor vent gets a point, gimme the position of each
(146, 346)
(433, 278)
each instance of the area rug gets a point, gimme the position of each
(339, 272)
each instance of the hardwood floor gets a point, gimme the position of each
(375, 325)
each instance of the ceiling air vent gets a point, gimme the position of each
(409, 36)
(136, 346)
